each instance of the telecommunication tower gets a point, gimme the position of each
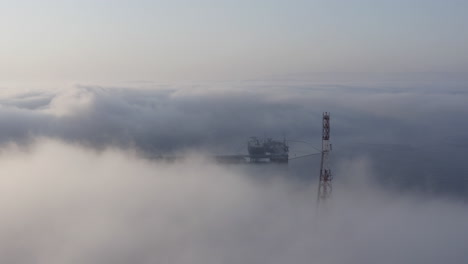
(325, 186)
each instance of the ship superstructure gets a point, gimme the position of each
(267, 150)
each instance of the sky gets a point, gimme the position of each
(97, 41)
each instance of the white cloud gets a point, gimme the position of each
(63, 203)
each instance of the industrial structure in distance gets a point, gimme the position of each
(267, 150)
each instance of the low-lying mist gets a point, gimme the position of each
(64, 203)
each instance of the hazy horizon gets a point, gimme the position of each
(96, 41)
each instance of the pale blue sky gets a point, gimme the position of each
(117, 40)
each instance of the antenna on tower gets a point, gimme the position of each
(325, 186)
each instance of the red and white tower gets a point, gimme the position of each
(325, 186)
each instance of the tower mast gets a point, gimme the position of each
(325, 186)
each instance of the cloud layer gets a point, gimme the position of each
(79, 185)
(412, 130)
(67, 204)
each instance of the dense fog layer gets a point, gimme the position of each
(82, 182)
(63, 203)
(412, 129)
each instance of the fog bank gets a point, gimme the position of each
(64, 203)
